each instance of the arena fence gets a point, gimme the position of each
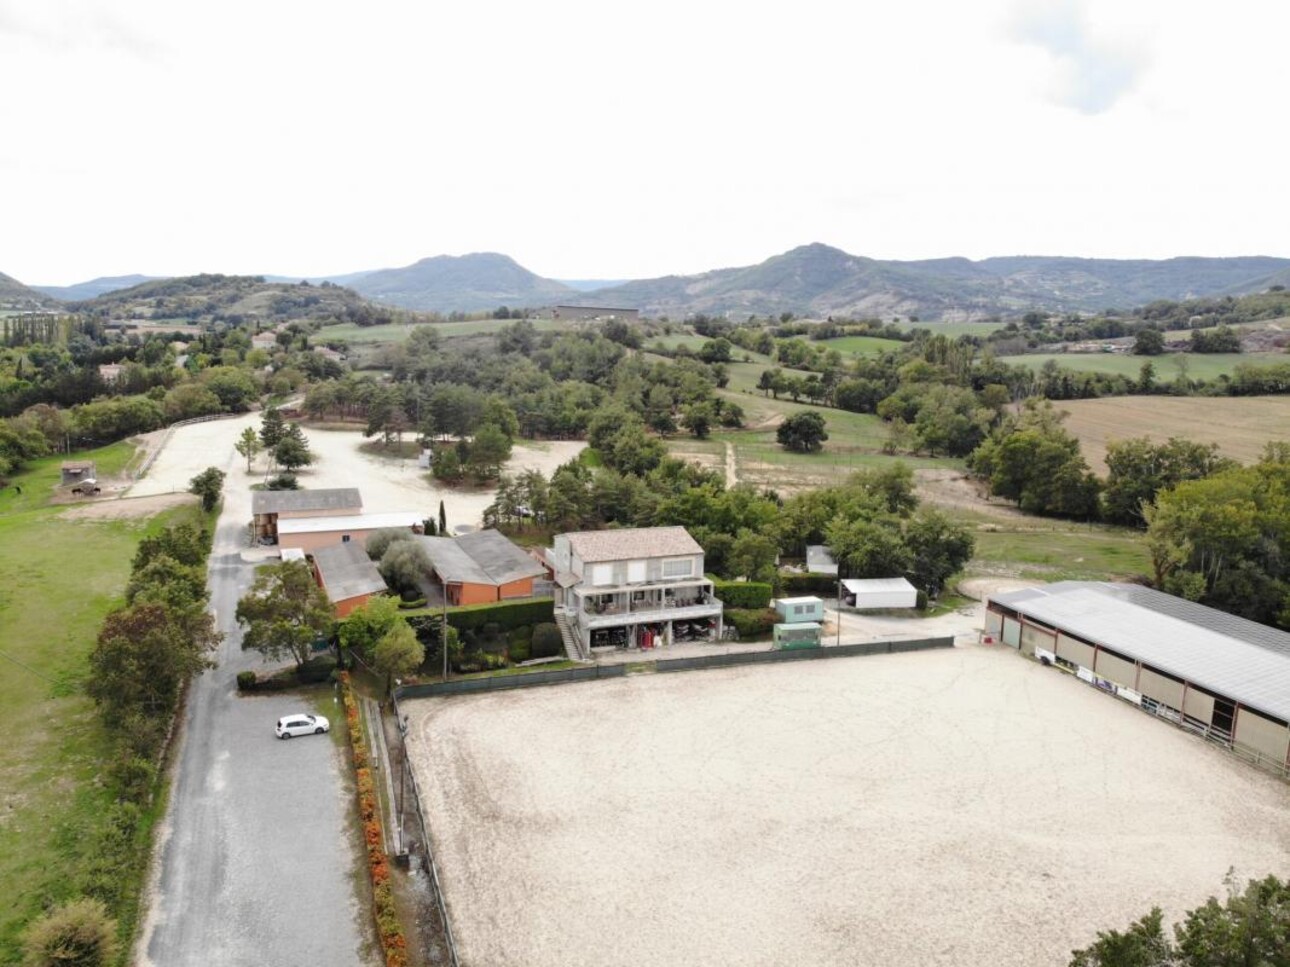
(587, 673)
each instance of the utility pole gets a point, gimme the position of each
(444, 632)
(839, 611)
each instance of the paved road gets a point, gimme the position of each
(258, 850)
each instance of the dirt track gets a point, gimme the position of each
(961, 807)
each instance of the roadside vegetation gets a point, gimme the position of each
(86, 730)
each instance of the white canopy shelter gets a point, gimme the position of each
(874, 593)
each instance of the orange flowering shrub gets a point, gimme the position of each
(388, 928)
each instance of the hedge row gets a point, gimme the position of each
(742, 594)
(794, 585)
(388, 927)
(505, 614)
(752, 623)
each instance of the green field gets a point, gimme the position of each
(954, 329)
(397, 332)
(862, 344)
(1051, 550)
(58, 578)
(1199, 365)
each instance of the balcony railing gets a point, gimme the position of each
(623, 606)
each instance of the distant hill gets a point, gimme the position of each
(590, 285)
(234, 299)
(466, 283)
(820, 280)
(95, 287)
(15, 296)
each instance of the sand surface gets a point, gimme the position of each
(386, 483)
(963, 807)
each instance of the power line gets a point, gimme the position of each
(28, 668)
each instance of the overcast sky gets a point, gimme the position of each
(604, 140)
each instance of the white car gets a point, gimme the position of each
(301, 724)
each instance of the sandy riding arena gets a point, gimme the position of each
(958, 807)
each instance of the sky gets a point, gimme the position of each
(592, 140)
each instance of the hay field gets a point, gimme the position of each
(943, 808)
(1239, 425)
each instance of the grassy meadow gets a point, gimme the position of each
(1044, 549)
(398, 332)
(1207, 366)
(58, 579)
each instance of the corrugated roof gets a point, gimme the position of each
(349, 522)
(347, 572)
(632, 542)
(482, 557)
(878, 585)
(1238, 659)
(276, 501)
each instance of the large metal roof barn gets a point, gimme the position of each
(1222, 676)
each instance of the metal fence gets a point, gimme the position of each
(561, 676)
(432, 868)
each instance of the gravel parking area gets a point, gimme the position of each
(952, 807)
(386, 483)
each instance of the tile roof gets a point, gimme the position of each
(276, 501)
(347, 572)
(632, 542)
(481, 557)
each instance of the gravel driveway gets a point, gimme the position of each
(257, 851)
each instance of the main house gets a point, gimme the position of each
(640, 587)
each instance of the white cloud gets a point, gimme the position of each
(593, 141)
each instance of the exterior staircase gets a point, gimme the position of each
(572, 643)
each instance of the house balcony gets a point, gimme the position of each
(607, 610)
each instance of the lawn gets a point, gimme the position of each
(1053, 550)
(58, 578)
(42, 476)
(848, 345)
(1207, 366)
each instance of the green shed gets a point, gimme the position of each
(797, 634)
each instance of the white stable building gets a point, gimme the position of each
(1216, 674)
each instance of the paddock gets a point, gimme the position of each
(964, 806)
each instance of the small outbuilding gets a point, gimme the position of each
(871, 594)
(348, 576)
(481, 567)
(797, 634)
(820, 560)
(798, 610)
(75, 471)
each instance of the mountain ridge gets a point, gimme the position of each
(814, 279)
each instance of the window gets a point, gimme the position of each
(680, 568)
(344, 538)
(799, 609)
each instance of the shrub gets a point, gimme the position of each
(413, 604)
(246, 681)
(79, 933)
(796, 585)
(547, 642)
(132, 777)
(518, 651)
(316, 669)
(284, 481)
(752, 623)
(505, 614)
(379, 542)
(480, 661)
(742, 594)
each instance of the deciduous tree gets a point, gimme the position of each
(284, 612)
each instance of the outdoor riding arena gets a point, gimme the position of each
(962, 806)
